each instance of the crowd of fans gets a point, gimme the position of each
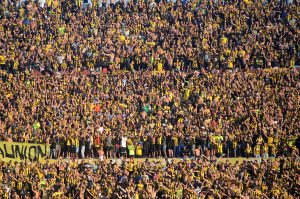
(174, 114)
(211, 98)
(168, 179)
(139, 35)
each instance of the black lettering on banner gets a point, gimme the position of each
(40, 152)
(19, 153)
(12, 155)
(2, 152)
(25, 153)
(32, 152)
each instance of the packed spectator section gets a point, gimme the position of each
(148, 35)
(147, 179)
(142, 99)
(229, 114)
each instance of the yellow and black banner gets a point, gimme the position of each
(23, 151)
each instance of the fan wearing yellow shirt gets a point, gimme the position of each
(265, 151)
(257, 151)
(49, 3)
(139, 151)
(248, 150)
(2, 62)
(224, 40)
(230, 63)
(159, 65)
(159, 145)
(79, 3)
(73, 147)
(176, 143)
(219, 148)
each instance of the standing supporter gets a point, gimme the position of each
(123, 146)
(82, 146)
(117, 150)
(139, 150)
(131, 150)
(108, 146)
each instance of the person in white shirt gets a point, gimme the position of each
(123, 146)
